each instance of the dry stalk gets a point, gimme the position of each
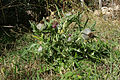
(2, 12)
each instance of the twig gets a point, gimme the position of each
(2, 12)
(20, 4)
(5, 32)
(17, 16)
(9, 3)
(5, 7)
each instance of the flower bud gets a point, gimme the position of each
(69, 39)
(40, 49)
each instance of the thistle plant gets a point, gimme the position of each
(57, 42)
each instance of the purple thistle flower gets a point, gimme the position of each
(54, 24)
(70, 35)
